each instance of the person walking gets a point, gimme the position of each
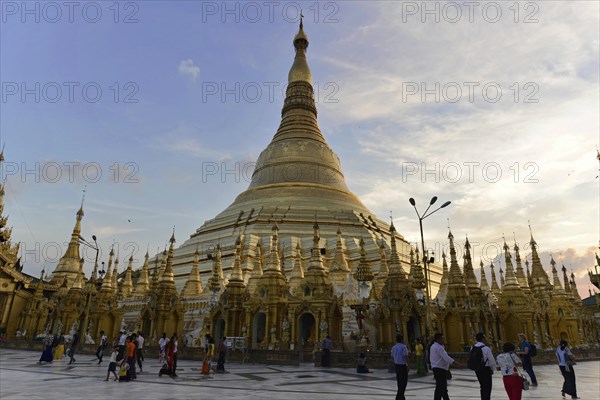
(101, 346)
(162, 345)
(508, 362)
(122, 339)
(140, 340)
(47, 355)
(525, 354)
(222, 349)
(175, 343)
(112, 365)
(400, 358)
(440, 364)
(138, 350)
(73, 348)
(209, 350)
(59, 350)
(326, 347)
(484, 364)
(566, 360)
(420, 357)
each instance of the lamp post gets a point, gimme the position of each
(426, 214)
(92, 278)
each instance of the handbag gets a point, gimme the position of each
(448, 374)
(524, 382)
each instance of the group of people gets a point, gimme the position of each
(482, 361)
(54, 348)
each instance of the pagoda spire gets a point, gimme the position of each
(395, 264)
(364, 274)
(78, 283)
(236, 275)
(143, 284)
(297, 271)
(68, 265)
(273, 263)
(115, 275)
(300, 71)
(257, 269)
(127, 286)
(193, 286)
(107, 281)
(167, 277)
(339, 259)
(470, 278)
(383, 265)
(416, 272)
(556, 286)
(443, 290)
(540, 278)
(574, 287)
(456, 276)
(501, 272)
(316, 262)
(566, 281)
(521, 277)
(495, 288)
(485, 288)
(511, 279)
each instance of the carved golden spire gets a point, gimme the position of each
(469, 271)
(68, 265)
(257, 269)
(566, 281)
(193, 286)
(443, 290)
(485, 287)
(556, 287)
(574, 287)
(236, 277)
(511, 279)
(273, 263)
(167, 277)
(300, 70)
(143, 283)
(495, 288)
(456, 276)
(115, 275)
(298, 271)
(363, 270)
(416, 272)
(107, 280)
(127, 285)
(521, 277)
(316, 263)
(78, 283)
(383, 265)
(339, 260)
(539, 277)
(395, 264)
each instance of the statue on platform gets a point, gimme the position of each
(88, 338)
(273, 334)
(74, 327)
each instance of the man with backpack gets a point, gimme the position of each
(481, 360)
(528, 350)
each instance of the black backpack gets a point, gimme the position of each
(532, 350)
(475, 361)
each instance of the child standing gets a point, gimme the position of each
(112, 366)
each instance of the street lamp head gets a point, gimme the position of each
(433, 200)
(94, 238)
(412, 202)
(446, 204)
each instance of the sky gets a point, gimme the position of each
(158, 110)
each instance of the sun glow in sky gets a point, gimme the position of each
(160, 109)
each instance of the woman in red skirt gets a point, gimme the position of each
(507, 362)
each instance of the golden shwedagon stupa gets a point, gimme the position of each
(282, 265)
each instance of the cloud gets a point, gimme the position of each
(187, 67)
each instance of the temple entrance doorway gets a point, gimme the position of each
(258, 330)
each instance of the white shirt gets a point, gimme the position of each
(488, 357)
(175, 346)
(113, 356)
(508, 363)
(140, 340)
(163, 342)
(122, 340)
(438, 357)
(563, 356)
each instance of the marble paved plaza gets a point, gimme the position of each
(22, 378)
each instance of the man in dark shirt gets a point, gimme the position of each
(73, 348)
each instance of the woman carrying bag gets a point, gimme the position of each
(566, 360)
(508, 362)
